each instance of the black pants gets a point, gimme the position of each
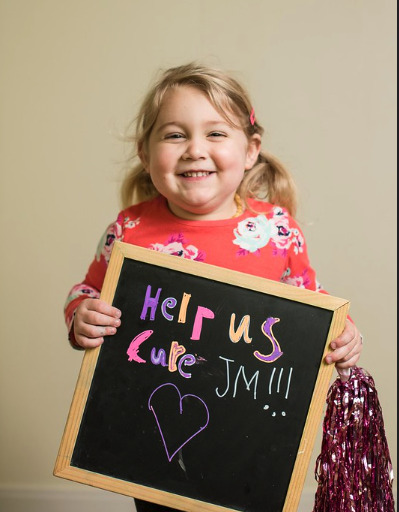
(146, 506)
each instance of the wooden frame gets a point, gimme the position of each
(122, 252)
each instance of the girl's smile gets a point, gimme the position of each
(195, 174)
(195, 157)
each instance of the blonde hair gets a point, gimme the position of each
(267, 180)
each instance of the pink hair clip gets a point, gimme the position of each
(252, 116)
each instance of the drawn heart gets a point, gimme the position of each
(177, 427)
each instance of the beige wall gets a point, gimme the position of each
(323, 79)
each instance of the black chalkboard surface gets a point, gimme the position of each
(211, 392)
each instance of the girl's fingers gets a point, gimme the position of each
(95, 312)
(346, 347)
(95, 319)
(88, 342)
(94, 331)
(93, 336)
(99, 319)
(99, 306)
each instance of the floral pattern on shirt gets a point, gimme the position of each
(81, 289)
(254, 233)
(176, 245)
(112, 233)
(286, 236)
(301, 281)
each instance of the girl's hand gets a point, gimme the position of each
(346, 350)
(93, 320)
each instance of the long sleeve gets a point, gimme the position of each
(91, 286)
(289, 242)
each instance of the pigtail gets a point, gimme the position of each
(136, 187)
(269, 180)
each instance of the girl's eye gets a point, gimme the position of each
(174, 136)
(217, 134)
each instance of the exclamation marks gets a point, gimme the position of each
(279, 383)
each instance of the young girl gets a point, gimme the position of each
(207, 192)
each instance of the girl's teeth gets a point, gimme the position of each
(195, 174)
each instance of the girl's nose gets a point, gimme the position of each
(194, 150)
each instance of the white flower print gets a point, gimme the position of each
(130, 224)
(254, 233)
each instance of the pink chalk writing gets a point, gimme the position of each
(133, 349)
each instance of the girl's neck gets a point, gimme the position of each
(237, 210)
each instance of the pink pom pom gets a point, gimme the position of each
(354, 469)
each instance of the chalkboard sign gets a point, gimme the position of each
(210, 395)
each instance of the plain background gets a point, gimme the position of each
(322, 75)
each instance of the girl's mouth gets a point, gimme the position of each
(195, 174)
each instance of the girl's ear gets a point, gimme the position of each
(142, 155)
(254, 146)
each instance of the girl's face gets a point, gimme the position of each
(195, 158)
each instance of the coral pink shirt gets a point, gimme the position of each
(268, 244)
